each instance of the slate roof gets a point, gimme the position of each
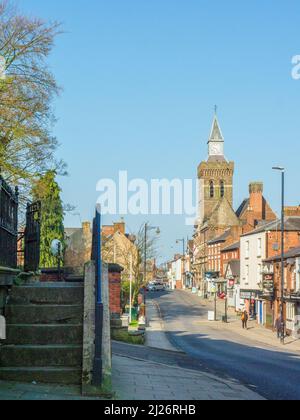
(243, 207)
(291, 224)
(235, 268)
(221, 238)
(232, 247)
(292, 253)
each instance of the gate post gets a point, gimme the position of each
(97, 373)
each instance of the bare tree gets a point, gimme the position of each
(132, 250)
(27, 89)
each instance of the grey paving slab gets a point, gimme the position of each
(172, 383)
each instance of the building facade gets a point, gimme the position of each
(257, 246)
(291, 289)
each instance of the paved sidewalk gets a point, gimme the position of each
(255, 332)
(138, 380)
(155, 333)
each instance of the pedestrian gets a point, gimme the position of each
(245, 318)
(278, 326)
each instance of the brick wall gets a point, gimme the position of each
(49, 275)
(114, 279)
(291, 240)
(179, 284)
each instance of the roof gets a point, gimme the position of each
(292, 253)
(232, 247)
(221, 238)
(216, 133)
(291, 224)
(243, 207)
(235, 268)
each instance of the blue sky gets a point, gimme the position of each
(141, 78)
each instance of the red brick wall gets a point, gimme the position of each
(291, 240)
(179, 284)
(115, 293)
(49, 277)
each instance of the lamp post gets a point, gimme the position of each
(147, 229)
(282, 170)
(183, 256)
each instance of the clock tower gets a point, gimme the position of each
(215, 176)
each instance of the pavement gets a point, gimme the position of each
(140, 380)
(255, 357)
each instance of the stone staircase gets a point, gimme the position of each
(44, 334)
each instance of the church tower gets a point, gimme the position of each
(215, 176)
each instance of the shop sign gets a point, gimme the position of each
(247, 294)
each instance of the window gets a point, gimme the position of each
(259, 273)
(222, 189)
(259, 247)
(247, 249)
(247, 274)
(211, 189)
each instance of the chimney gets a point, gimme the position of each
(256, 203)
(86, 228)
(119, 227)
(292, 211)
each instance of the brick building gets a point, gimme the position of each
(257, 246)
(216, 213)
(230, 268)
(272, 288)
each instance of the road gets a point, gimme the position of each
(271, 373)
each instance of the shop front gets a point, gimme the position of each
(253, 302)
(293, 316)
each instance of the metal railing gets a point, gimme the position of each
(8, 225)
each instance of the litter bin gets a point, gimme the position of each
(134, 314)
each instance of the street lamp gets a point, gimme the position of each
(282, 170)
(147, 229)
(183, 245)
(183, 256)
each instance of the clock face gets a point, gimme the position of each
(216, 149)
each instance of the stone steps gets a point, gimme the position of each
(48, 375)
(44, 314)
(44, 334)
(39, 356)
(48, 293)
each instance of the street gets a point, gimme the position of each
(272, 373)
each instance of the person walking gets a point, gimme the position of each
(245, 318)
(278, 326)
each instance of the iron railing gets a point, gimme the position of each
(8, 225)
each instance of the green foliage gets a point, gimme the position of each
(27, 89)
(47, 190)
(123, 336)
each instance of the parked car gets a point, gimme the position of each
(159, 287)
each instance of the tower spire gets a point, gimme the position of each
(216, 139)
